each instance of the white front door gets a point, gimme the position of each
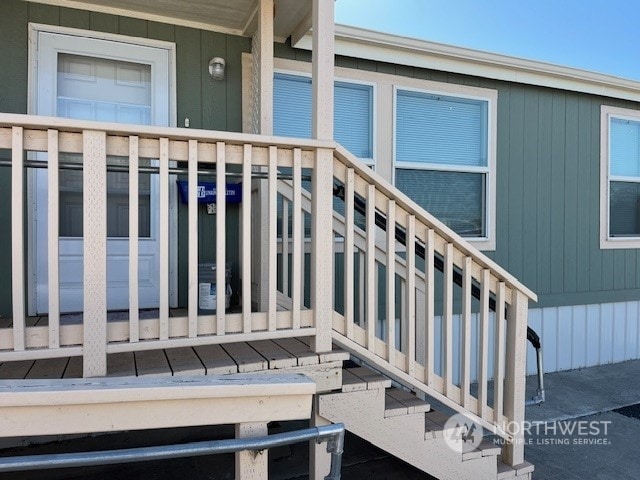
(102, 80)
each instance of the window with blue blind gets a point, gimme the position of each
(624, 178)
(441, 157)
(353, 107)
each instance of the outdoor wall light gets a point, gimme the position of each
(216, 68)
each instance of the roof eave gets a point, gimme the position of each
(371, 45)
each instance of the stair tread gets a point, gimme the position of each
(362, 378)
(505, 471)
(408, 400)
(432, 429)
(489, 448)
(437, 417)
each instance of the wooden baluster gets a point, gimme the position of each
(391, 282)
(348, 253)
(498, 364)
(466, 332)
(284, 227)
(246, 237)
(53, 209)
(447, 319)
(483, 370)
(430, 308)
(134, 234)
(221, 245)
(411, 296)
(17, 238)
(297, 290)
(371, 293)
(192, 180)
(164, 239)
(272, 192)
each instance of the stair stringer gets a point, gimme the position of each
(403, 436)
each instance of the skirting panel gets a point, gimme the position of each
(585, 335)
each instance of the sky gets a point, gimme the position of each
(596, 35)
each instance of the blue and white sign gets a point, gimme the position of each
(207, 192)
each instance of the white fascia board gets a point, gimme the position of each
(371, 45)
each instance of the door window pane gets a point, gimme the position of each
(105, 90)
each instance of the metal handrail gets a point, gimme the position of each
(332, 434)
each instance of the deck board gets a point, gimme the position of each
(15, 370)
(48, 368)
(152, 363)
(275, 354)
(121, 365)
(74, 368)
(263, 355)
(247, 358)
(215, 360)
(298, 349)
(184, 361)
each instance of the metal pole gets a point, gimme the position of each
(332, 434)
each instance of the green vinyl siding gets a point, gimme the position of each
(548, 188)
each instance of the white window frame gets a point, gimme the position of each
(287, 70)
(384, 120)
(606, 114)
(488, 241)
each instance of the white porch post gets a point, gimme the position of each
(319, 458)
(322, 196)
(252, 465)
(515, 376)
(322, 205)
(263, 48)
(265, 76)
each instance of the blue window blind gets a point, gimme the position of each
(292, 106)
(353, 106)
(352, 118)
(455, 198)
(625, 148)
(440, 130)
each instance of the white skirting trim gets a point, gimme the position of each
(585, 335)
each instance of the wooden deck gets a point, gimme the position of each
(289, 354)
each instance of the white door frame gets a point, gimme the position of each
(34, 30)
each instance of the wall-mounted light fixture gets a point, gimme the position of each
(216, 68)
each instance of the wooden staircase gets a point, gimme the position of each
(407, 427)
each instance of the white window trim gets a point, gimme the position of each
(287, 70)
(487, 242)
(384, 124)
(606, 114)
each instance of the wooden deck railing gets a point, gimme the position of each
(432, 312)
(367, 269)
(37, 142)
